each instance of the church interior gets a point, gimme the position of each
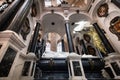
(59, 39)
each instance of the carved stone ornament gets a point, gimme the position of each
(33, 10)
(4, 4)
(91, 50)
(115, 26)
(25, 30)
(87, 38)
(102, 11)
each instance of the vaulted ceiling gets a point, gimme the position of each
(55, 16)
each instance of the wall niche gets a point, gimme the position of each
(102, 11)
(115, 26)
(25, 30)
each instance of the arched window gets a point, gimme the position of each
(59, 47)
(48, 46)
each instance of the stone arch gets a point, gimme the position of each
(59, 46)
(48, 45)
(48, 41)
(50, 12)
(56, 24)
(58, 41)
(77, 17)
(53, 39)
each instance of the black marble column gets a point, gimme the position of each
(63, 46)
(105, 41)
(69, 38)
(77, 50)
(32, 47)
(9, 14)
(20, 17)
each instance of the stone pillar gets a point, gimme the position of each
(63, 46)
(69, 37)
(77, 50)
(22, 13)
(105, 41)
(6, 15)
(32, 47)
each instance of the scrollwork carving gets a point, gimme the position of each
(25, 30)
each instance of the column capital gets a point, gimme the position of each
(93, 22)
(38, 21)
(66, 21)
(69, 37)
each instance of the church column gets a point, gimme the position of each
(63, 46)
(69, 37)
(8, 14)
(20, 16)
(105, 41)
(32, 47)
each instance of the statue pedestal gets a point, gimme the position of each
(75, 67)
(13, 58)
(10, 49)
(112, 65)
